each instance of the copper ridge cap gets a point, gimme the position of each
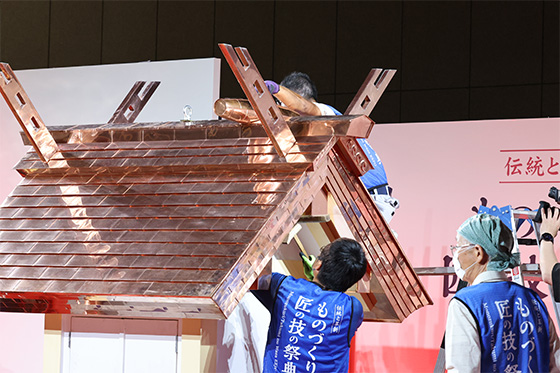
(347, 125)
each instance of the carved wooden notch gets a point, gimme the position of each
(253, 85)
(25, 113)
(134, 102)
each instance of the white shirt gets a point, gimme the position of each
(325, 109)
(462, 343)
(244, 337)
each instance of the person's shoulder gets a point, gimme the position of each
(523, 289)
(356, 304)
(465, 290)
(479, 288)
(532, 293)
(282, 278)
(278, 275)
(277, 279)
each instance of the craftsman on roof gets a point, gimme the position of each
(298, 92)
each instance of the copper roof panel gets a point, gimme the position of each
(394, 271)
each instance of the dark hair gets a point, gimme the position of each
(343, 264)
(301, 84)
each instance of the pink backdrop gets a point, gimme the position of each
(21, 335)
(21, 342)
(439, 171)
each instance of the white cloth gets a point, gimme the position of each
(244, 337)
(386, 205)
(325, 109)
(462, 343)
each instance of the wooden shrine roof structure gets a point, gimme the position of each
(178, 219)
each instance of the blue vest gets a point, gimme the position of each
(310, 328)
(377, 176)
(512, 324)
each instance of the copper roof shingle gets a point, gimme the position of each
(189, 223)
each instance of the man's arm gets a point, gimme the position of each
(292, 100)
(295, 102)
(550, 224)
(462, 343)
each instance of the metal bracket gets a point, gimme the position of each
(26, 114)
(260, 98)
(370, 92)
(352, 151)
(134, 102)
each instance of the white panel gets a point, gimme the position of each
(150, 345)
(119, 345)
(96, 352)
(150, 353)
(90, 94)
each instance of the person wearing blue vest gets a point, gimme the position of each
(313, 322)
(495, 325)
(298, 92)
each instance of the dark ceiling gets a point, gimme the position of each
(456, 60)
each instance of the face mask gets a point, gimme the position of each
(457, 266)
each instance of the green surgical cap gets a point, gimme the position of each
(484, 230)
